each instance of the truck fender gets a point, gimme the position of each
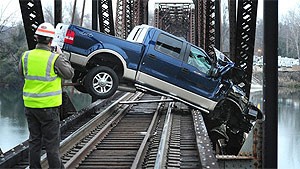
(128, 73)
(219, 109)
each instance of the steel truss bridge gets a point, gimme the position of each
(199, 22)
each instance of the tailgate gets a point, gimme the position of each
(60, 34)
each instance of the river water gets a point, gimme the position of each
(13, 125)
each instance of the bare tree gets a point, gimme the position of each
(12, 44)
(225, 28)
(294, 22)
(289, 34)
(6, 18)
(259, 36)
(48, 14)
(67, 14)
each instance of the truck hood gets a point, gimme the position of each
(226, 68)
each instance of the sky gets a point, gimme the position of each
(11, 8)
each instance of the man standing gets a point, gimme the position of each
(43, 71)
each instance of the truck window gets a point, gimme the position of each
(168, 45)
(134, 34)
(138, 34)
(198, 59)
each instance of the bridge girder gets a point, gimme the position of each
(129, 14)
(245, 39)
(175, 18)
(32, 16)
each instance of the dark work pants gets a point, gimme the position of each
(44, 129)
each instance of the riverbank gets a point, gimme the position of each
(289, 79)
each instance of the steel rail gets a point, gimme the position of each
(153, 142)
(146, 101)
(138, 158)
(67, 143)
(175, 154)
(84, 151)
(161, 157)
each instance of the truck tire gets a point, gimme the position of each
(101, 82)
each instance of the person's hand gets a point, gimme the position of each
(58, 50)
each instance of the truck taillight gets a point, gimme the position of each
(69, 39)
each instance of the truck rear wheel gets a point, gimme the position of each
(101, 82)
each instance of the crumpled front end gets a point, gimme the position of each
(231, 120)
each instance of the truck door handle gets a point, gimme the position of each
(152, 57)
(185, 70)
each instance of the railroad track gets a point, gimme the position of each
(117, 143)
(174, 145)
(144, 135)
(134, 131)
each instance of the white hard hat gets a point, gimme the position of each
(45, 29)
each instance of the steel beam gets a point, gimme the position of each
(193, 26)
(82, 13)
(205, 21)
(32, 16)
(200, 22)
(209, 39)
(218, 24)
(94, 15)
(270, 87)
(246, 24)
(232, 28)
(124, 18)
(105, 13)
(57, 12)
(140, 12)
(102, 16)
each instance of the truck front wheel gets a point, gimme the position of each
(101, 82)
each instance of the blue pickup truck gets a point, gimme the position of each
(152, 60)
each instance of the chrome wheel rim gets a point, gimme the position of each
(102, 82)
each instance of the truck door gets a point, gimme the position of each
(194, 73)
(161, 62)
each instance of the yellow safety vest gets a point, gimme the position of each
(42, 88)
